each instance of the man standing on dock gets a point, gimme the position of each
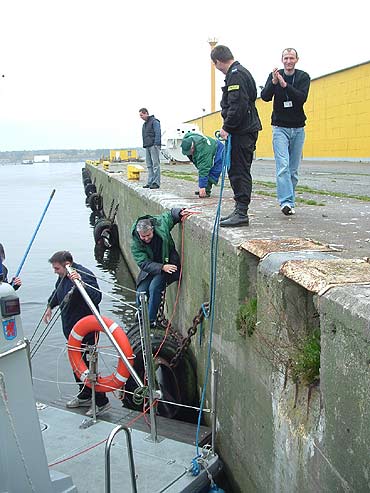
(152, 146)
(288, 88)
(73, 307)
(241, 121)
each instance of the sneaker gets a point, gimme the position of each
(288, 210)
(154, 186)
(77, 402)
(146, 186)
(99, 409)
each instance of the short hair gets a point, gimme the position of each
(61, 257)
(2, 252)
(289, 49)
(221, 53)
(144, 110)
(144, 225)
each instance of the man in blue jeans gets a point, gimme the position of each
(155, 253)
(288, 87)
(152, 145)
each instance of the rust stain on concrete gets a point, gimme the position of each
(320, 275)
(262, 247)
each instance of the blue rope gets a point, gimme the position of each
(213, 277)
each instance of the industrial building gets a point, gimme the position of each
(338, 118)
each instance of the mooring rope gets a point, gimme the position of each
(213, 278)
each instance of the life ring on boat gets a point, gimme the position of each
(88, 324)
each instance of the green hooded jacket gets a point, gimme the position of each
(204, 151)
(142, 252)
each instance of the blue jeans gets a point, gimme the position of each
(288, 145)
(153, 287)
(153, 165)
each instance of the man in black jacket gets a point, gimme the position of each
(73, 307)
(152, 145)
(241, 121)
(289, 88)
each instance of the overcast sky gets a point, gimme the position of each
(77, 71)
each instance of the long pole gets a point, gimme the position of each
(149, 365)
(34, 235)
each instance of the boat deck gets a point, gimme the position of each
(160, 467)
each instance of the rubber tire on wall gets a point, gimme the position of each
(100, 226)
(95, 202)
(183, 379)
(90, 188)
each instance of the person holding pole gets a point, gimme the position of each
(73, 307)
(16, 282)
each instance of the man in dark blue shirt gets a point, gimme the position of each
(73, 307)
(241, 121)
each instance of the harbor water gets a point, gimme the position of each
(24, 191)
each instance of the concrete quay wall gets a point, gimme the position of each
(274, 435)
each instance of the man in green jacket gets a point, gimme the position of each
(206, 154)
(155, 253)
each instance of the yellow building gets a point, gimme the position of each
(338, 117)
(123, 155)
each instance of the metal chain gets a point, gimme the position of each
(197, 320)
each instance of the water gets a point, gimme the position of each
(24, 192)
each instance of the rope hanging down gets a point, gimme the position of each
(213, 281)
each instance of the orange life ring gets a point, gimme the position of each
(83, 327)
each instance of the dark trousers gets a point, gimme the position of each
(242, 149)
(85, 391)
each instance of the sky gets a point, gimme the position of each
(76, 72)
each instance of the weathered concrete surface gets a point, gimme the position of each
(270, 437)
(345, 386)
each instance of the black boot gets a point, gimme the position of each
(237, 218)
(227, 217)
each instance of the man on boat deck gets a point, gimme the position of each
(16, 281)
(206, 154)
(155, 253)
(73, 307)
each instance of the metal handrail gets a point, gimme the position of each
(99, 318)
(108, 446)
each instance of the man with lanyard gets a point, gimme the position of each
(241, 121)
(289, 88)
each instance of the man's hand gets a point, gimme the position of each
(169, 268)
(75, 276)
(223, 134)
(16, 281)
(275, 73)
(185, 213)
(281, 81)
(47, 315)
(202, 193)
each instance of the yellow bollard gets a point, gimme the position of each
(133, 172)
(106, 165)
